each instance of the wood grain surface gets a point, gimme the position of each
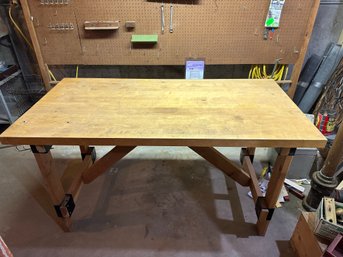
(244, 113)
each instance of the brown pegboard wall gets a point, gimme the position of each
(221, 31)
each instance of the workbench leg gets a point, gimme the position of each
(86, 151)
(224, 164)
(265, 205)
(53, 185)
(103, 164)
(250, 151)
(88, 156)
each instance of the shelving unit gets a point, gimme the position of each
(20, 88)
(9, 118)
(13, 104)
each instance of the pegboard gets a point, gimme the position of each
(221, 31)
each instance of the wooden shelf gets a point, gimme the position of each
(101, 25)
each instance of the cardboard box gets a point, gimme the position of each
(325, 228)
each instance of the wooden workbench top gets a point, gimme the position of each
(245, 113)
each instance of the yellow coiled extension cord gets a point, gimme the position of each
(260, 72)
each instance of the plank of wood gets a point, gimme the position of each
(263, 223)
(102, 165)
(294, 185)
(284, 82)
(300, 61)
(224, 164)
(249, 113)
(303, 240)
(277, 179)
(51, 180)
(52, 184)
(254, 185)
(77, 182)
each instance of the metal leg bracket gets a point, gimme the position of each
(90, 151)
(247, 152)
(41, 149)
(260, 205)
(66, 208)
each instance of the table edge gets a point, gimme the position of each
(315, 143)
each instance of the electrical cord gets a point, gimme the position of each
(52, 75)
(21, 33)
(77, 71)
(18, 28)
(6, 146)
(286, 73)
(260, 72)
(23, 148)
(16, 147)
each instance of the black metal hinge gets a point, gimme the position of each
(261, 205)
(45, 150)
(66, 208)
(91, 151)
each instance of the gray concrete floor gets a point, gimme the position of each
(155, 202)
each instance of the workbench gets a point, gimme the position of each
(199, 114)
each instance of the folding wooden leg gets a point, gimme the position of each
(88, 156)
(100, 166)
(228, 167)
(247, 152)
(254, 186)
(52, 184)
(265, 206)
(87, 151)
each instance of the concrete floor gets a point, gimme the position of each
(155, 202)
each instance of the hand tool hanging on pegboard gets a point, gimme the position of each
(162, 18)
(171, 29)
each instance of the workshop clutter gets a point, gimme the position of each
(329, 218)
(290, 186)
(320, 233)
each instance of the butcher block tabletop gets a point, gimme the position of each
(161, 112)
